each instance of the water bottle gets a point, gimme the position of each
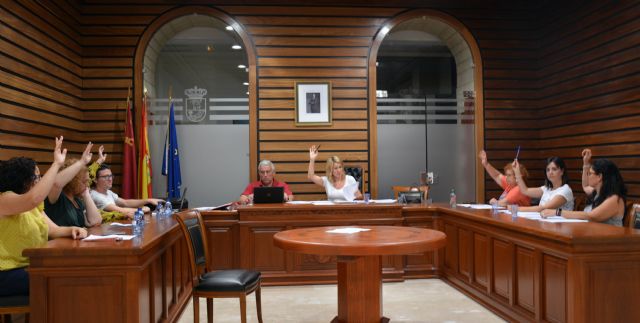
(158, 211)
(138, 222)
(168, 209)
(452, 198)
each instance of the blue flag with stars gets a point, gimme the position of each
(171, 159)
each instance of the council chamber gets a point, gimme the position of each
(489, 148)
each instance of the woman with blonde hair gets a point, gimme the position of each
(507, 181)
(335, 180)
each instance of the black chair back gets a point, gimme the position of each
(358, 174)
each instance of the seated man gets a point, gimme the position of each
(107, 200)
(267, 171)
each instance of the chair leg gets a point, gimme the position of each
(210, 310)
(259, 304)
(196, 309)
(243, 308)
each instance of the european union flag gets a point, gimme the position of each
(171, 159)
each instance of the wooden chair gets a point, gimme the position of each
(232, 283)
(398, 188)
(633, 212)
(579, 202)
(13, 305)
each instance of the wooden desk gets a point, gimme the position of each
(143, 280)
(359, 261)
(522, 270)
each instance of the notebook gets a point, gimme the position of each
(268, 195)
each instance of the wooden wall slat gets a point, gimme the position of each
(314, 62)
(312, 41)
(263, 51)
(306, 72)
(313, 31)
(313, 135)
(311, 11)
(310, 21)
(336, 126)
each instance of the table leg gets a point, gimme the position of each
(359, 290)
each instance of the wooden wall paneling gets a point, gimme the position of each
(480, 276)
(525, 279)
(554, 273)
(502, 270)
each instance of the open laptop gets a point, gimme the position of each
(268, 195)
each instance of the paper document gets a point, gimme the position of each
(348, 230)
(383, 201)
(116, 237)
(204, 208)
(118, 224)
(559, 219)
(300, 202)
(350, 191)
(322, 203)
(528, 215)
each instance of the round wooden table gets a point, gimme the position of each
(359, 261)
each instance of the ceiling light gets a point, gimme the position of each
(245, 83)
(241, 66)
(209, 48)
(236, 47)
(229, 28)
(247, 92)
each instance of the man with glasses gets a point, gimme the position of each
(266, 171)
(107, 200)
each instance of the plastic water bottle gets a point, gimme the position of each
(138, 222)
(168, 209)
(158, 211)
(452, 198)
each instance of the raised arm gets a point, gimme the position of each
(311, 173)
(67, 174)
(535, 192)
(586, 166)
(93, 214)
(11, 203)
(494, 173)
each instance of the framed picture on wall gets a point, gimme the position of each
(313, 103)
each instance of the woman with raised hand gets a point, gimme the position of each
(507, 181)
(606, 193)
(555, 193)
(23, 224)
(335, 180)
(69, 202)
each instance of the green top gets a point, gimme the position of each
(64, 213)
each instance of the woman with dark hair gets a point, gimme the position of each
(555, 193)
(69, 202)
(605, 191)
(23, 224)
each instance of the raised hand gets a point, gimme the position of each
(516, 167)
(313, 152)
(586, 157)
(101, 155)
(483, 157)
(59, 154)
(86, 154)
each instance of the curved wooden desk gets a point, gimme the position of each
(359, 264)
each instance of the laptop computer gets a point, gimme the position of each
(268, 195)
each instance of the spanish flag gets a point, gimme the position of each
(144, 173)
(129, 168)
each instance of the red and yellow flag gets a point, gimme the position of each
(129, 177)
(144, 173)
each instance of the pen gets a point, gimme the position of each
(518, 152)
(317, 147)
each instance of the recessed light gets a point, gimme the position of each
(236, 47)
(229, 28)
(247, 92)
(241, 66)
(245, 83)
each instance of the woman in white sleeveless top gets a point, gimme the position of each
(337, 185)
(555, 193)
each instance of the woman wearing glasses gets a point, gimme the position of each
(23, 224)
(69, 202)
(605, 189)
(107, 200)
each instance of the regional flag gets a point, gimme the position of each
(129, 177)
(171, 159)
(144, 173)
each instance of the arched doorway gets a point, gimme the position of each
(199, 58)
(428, 108)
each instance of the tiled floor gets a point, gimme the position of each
(413, 301)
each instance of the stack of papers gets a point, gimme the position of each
(480, 206)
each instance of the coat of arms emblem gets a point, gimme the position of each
(195, 104)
